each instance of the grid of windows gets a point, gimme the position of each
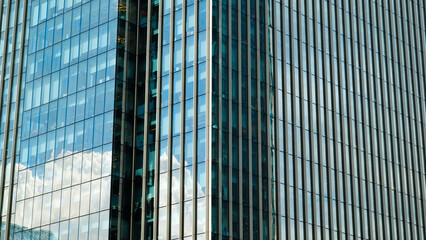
(243, 170)
(350, 80)
(183, 120)
(199, 119)
(63, 145)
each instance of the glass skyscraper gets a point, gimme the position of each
(212, 119)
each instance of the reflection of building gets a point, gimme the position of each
(212, 119)
(57, 85)
(24, 234)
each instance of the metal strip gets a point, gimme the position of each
(146, 130)
(277, 231)
(209, 117)
(182, 127)
(395, 123)
(293, 7)
(268, 112)
(312, 75)
(408, 112)
(158, 119)
(404, 52)
(240, 130)
(373, 141)
(195, 132)
(302, 233)
(135, 104)
(383, 141)
(417, 121)
(421, 68)
(352, 127)
(170, 116)
(344, 94)
(390, 170)
(326, 170)
(381, 121)
(399, 119)
(334, 178)
(318, 35)
(17, 105)
(276, 117)
(2, 82)
(386, 167)
(343, 205)
(220, 128)
(259, 146)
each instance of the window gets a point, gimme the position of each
(189, 115)
(166, 60)
(164, 126)
(190, 20)
(189, 149)
(177, 87)
(190, 51)
(165, 91)
(202, 15)
(166, 29)
(202, 111)
(176, 119)
(189, 90)
(202, 47)
(178, 25)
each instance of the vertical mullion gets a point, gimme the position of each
(231, 206)
(312, 74)
(240, 142)
(401, 111)
(287, 222)
(302, 219)
(383, 158)
(381, 108)
(182, 127)
(259, 129)
(372, 75)
(409, 112)
(276, 119)
(170, 116)
(406, 114)
(342, 81)
(336, 88)
(2, 83)
(395, 120)
(361, 124)
(392, 156)
(352, 127)
(249, 122)
(208, 197)
(146, 110)
(195, 127)
(292, 8)
(268, 114)
(220, 127)
(331, 126)
(319, 35)
(157, 116)
(134, 124)
(8, 109)
(326, 167)
(420, 85)
(158, 109)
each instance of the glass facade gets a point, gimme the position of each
(351, 119)
(58, 66)
(212, 119)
